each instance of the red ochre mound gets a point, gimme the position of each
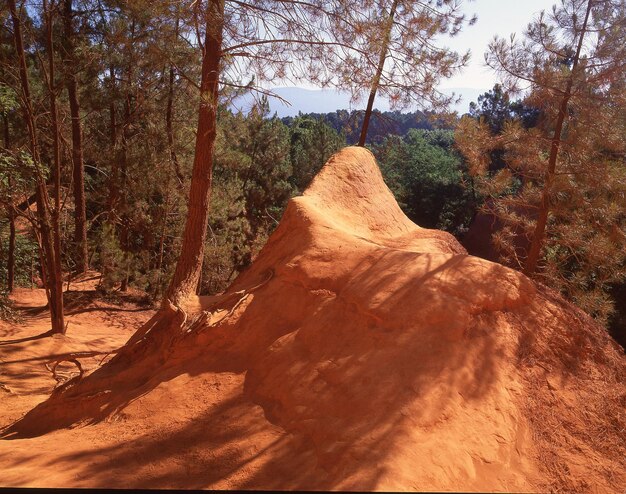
(359, 352)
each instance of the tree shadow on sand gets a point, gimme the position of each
(27, 338)
(343, 385)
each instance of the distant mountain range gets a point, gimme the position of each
(329, 100)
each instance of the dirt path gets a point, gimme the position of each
(93, 324)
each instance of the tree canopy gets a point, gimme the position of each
(561, 189)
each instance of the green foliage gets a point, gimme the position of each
(18, 173)
(226, 247)
(251, 188)
(427, 177)
(26, 257)
(584, 244)
(348, 123)
(496, 108)
(259, 164)
(266, 171)
(312, 141)
(7, 310)
(111, 257)
(567, 167)
(8, 99)
(136, 72)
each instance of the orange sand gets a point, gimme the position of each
(378, 356)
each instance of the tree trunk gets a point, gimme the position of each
(124, 175)
(168, 123)
(54, 253)
(113, 186)
(123, 214)
(55, 296)
(189, 265)
(11, 216)
(80, 209)
(538, 236)
(114, 177)
(11, 252)
(379, 71)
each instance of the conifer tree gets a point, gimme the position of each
(561, 194)
(396, 51)
(47, 222)
(78, 167)
(240, 38)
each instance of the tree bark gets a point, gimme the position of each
(80, 208)
(114, 177)
(48, 245)
(124, 234)
(189, 265)
(122, 214)
(11, 216)
(538, 236)
(168, 122)
(379, 72)
(11, 252)
(54, 255)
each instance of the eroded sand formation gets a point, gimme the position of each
(358, 352)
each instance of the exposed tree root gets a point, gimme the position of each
(138, 366)
(90, 398)
(240, 296)
(60, 380)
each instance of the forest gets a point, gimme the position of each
(124, 159)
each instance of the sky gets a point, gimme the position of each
(501, 17)
(495, 17)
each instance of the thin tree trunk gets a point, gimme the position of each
(80, 208)
(55, 296)
(189, 265)
(11, 216)
(11, 252)
(122, 195)
(168, 121)
(113, 186)
(114, 177)
(54, 254)
(538, 235)
(124, 160)
(379, 71)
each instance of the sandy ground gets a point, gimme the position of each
(358, 352)
(92, 325)
(164, 440)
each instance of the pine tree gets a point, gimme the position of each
(78, 167)
(237, 41)
(561, 194)
(395, 51)
(47, 227)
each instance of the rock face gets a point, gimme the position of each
(359, 351)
